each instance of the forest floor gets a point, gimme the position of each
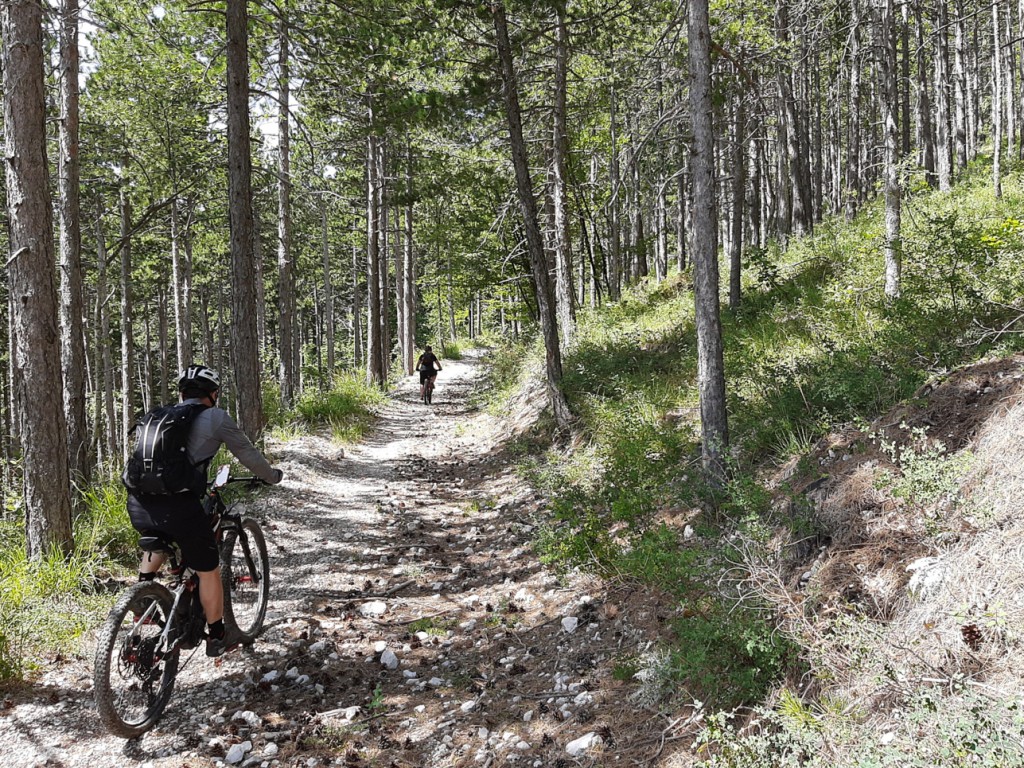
(410, 624)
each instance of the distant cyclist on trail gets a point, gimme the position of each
(425, 365)
(175, 509)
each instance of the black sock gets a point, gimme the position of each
(147, 576)
(215, 629)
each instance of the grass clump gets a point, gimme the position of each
(346, 409)
(451, 350)
(48, 603)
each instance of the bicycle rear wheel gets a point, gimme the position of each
(132, 677)
(245, 572)
(428, 392)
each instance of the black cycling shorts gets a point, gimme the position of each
(427, 374)
(182, 518)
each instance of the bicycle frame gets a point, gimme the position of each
(186, 583)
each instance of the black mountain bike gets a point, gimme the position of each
(139, 646)
(428, 391)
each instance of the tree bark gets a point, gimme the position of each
(960, 87)
(244, 336)
(35, 344)
(924, 102)
(104, 357)
(127, 332)
(893, 191)
(997, 103)
(944, 148)
(285, 264)
(560, 152)
(374, 322)
(408, 298)
(704, 250)
(325, 249)
(528, 204)
(181, 277)
(72, 302)
(739, 183)
(614, 261)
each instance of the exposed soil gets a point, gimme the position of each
(427, 520)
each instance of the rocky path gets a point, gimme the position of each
(410, 625)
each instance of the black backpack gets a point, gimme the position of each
(160, 465)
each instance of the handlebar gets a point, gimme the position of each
(223, 478)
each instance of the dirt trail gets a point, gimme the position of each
(409, 625)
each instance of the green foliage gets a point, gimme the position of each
(48, 603)
(451, 350)
(958, 728)
(730, 655)
(103, 525)
(347, 409)
(928, 474)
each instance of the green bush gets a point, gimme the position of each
(47, 604)
(347, 409)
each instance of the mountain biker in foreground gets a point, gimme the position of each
(425, 365)
(181, 516)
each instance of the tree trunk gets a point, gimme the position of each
(244, 336)
(682, 210)
(614, 261)
(893, 190)
(181, 277)
(109, 424)
(997, 103)
(704, 250)
(127, 333)
(408, 298)
(35, 344)
(528, 204)
(944, 148)
(960, 87)
(924, 103)
(374, 322)
(383, 210)
(357, 309)
(560, 153)
(853, 139)
(739, 183)
(325, 249)
(72, 301)
(287, 372)
(904, 79)
(164, 392)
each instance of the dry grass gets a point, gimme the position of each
(868, 639)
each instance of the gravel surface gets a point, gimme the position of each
(410, 624)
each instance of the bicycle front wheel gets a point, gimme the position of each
(133, 676)
(245, 572)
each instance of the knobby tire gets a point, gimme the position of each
(132, 683)
(245, 573)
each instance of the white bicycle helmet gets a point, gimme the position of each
(199, 377)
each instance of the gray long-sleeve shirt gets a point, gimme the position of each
(213, 427)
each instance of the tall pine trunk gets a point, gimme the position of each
(528, 205)
(704, 250)
(374, 321)
(892, 188)
(287, 371)
(559, 186)
(127, 332)
(943, 145)
(244, 334)
(35, 339)
(72, 303)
